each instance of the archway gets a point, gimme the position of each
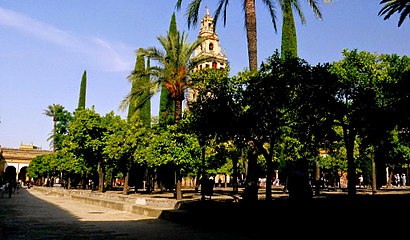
(10, 174)
(23, 175)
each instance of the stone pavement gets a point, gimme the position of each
(41, 213)
(31, 214)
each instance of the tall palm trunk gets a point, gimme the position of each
(54, 131)
(178, 110)
(178, 183)
(250, 20)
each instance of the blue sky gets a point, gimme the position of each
(45, 46)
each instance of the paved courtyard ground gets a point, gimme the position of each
(32, 214)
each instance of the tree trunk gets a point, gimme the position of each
(69, 183)
(374, 183)
(127, 177)
(349, 136)
(148, 183)
(178, 184)
(201, 172)
(317, 178)
(250, 21)
(235, 175)
(269, 170)
(250, 195)
(100, 177)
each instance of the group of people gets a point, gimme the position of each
(399, 180)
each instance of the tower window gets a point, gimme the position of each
(211, 46)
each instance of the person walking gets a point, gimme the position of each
(10, 189)
(403, 180)
(3, 189)
(360, 181)
(18, 186)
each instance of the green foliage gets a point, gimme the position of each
(40, 166)
(166, 108)
(289, 47)
(214, 98)
(61, 118)
(166, 104)
(174, 65)
(84, 141)
(83, 90)
(139, 67)
(139, 101)
(170, 146)
(121, 143)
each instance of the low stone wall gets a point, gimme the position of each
(138, 205)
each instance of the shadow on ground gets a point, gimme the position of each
(326, 214)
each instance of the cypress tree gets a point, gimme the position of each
(140, 105)
(166, 104)
(145, 111)
(289, 47)
(83, 89)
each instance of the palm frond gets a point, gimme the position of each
(272, 12)
(391, 7)
(223, 4)
(192, 12)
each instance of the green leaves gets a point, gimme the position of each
(169, 146)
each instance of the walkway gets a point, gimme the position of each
(33, 215)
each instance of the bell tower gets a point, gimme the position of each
(210, 46)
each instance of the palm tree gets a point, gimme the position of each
(52, 111)
(166, 105)
(395, 6)
(173, 73)
(250, 22)
(173, 66)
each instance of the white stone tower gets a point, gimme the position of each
(210, 46)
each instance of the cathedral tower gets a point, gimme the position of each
(210, 46)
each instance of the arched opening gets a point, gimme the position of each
(10, 174)
(211, 46)
(23, 174)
